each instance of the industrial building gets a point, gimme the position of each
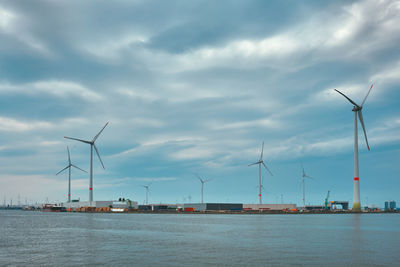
(213, 206)
(158, 207)
(334, 204)
(265, 207)
(100, 204)
(390, 205)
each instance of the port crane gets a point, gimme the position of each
(326, 200)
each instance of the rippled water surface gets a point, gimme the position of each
(62, 239)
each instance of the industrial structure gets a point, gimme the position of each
(213, 206)
(390, 205)
(202, 181)
(269, 207)
(357, 109)
(99, 204)
(332, 205)
(147, 192)
(92, 145)
(259, 162)
(326, 200)
(303, 184)
(69, 174)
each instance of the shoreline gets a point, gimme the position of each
(223, 212)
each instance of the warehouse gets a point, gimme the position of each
(99, 204)
(212, 206)
(265, 207)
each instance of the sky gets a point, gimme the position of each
(194, 88)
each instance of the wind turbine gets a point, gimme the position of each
(69, 171)
(202, 181)
(303, 183)
(357, 109)
(147, 192)
(92, 144)
(259, 162)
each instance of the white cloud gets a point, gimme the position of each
(155, 142)
(360, 28)
(17, 28)
(64, 89)
(50, 143)
(136, 93)
(389, 75)
(13, 125)
(364, 27)
(285, 51)
(7, 19)
(112, 50)
(243, 53)
(263, 123)
(196, 152)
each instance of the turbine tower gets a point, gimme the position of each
(92, 145)
(69, 171)
(147, 192)
(357, 109)
(259, 162)
(202, 181)
(303, 184)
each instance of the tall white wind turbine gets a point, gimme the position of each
(202, 181)
(357, 109)
(69, 172)
(259, 162)
(92, 145)
(303, 184)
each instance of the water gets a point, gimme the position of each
(71, 239)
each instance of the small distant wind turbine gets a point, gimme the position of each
(202, 181)
(259, 162)
(303, 182)
(147, 192)
(92, 144)
(357, 109)
(69, 176)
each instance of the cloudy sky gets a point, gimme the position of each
(195, 87)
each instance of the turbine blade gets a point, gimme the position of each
(265, 166)
(198, 177)
(62, 170)
(372, 85)
(97, 135)
(84, 141)
(360, 116)
(262, 150)
(78, 168)
(97, 152)
(69, 157)
(351, 101)
(253, 164)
